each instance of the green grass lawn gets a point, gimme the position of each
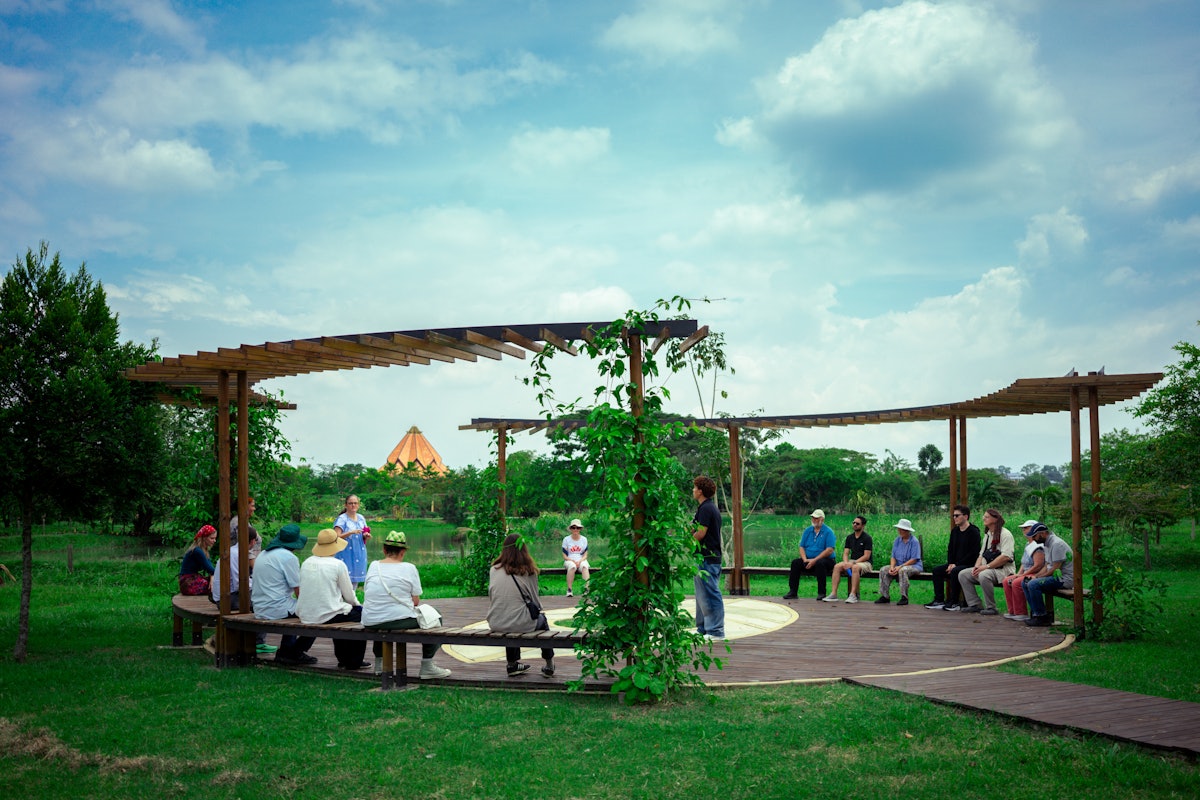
(103, 708)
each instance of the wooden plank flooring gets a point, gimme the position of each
(1150, 721)
(937, 654)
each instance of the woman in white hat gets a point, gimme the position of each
(575, 550)
(326, 595)
(391, 595)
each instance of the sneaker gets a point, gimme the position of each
(935, 604)
(517, 669)
(570, 593)
(429, 671)
(351, 667)
(952, 607)
(988, 612)
(969, 609)
(790, 596)
(548, 669)
(265, 648)
(833, 598)
(903, 601)
(1019, 617)
(1040, 621)
(852, 599)
(304, 659)
(883, 600)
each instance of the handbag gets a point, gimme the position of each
(535, 610)
(428, 616)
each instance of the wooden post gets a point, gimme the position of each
(739, 583)
(1094, 434)
(502, 468)
(963, 493)
(243, 466)
(224, 652)
(637, 408)
(953, 465)
(1076, 509)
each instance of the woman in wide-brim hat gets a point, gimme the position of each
(391, 595)
(326, 595)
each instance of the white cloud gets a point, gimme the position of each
(601, 302)
(157, 17)
(385, 89)
(1186, 231)
(901, 94)
(557, 148)
(1126, 278)
(675, 29)
(1148, 190)
(1051, 236)
(738, 132)
(79, 150)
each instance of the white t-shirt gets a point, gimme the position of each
(388, 592)
(234, 575)
(325, 590)
(573, 549)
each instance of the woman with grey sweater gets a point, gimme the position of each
(512, 581)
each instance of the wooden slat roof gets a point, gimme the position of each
(382, 349)
(1023, 396)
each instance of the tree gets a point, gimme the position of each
(68, 416)
(929, 458)
(1173, 410)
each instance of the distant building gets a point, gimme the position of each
(415, 449)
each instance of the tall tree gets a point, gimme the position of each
(929, 459)
(1173, 410)
(66, 412)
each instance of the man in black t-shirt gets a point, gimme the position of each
(710, 606)
(856, 559)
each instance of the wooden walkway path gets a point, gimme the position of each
(1150, 721)
(940, 655)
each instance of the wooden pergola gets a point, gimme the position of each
(227, 377)
(1070, 393)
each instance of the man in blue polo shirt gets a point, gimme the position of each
(816, 556)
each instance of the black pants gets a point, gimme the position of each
(427, 650)
(349, 652)
(513, 654)
(821, 568)
(946, 587)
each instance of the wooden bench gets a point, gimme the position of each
(199, 610)
(395, 642)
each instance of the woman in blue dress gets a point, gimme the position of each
(352, 526)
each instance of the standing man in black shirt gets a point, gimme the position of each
(710, 606)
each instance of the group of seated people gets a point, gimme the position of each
(974, 560)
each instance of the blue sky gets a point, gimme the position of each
(892, 204)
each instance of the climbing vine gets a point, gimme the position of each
(636, 630)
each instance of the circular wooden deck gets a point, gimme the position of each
(800, 641)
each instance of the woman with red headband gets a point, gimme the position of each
(196, 568)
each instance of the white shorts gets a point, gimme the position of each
(580, 564)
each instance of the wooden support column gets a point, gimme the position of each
(502, 469)
(637, 408)
(224, 653)
(1094, 434)
(739, 583)
(1076, 508)
(953, 464)
(243, 467)
(963, 492)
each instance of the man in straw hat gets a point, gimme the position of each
(276, 585)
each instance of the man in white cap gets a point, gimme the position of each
(905, 561)
(817, 544)
(575, 549)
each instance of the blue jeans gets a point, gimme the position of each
(710, 608)
(1036, 591)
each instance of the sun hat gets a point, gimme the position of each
(818, 513)
(904, 525)
(1029, 523)
(328, 543)
(575, 523)
(1036, 529)
(289, 536)
(395, 539)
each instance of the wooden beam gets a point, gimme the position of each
(529, 344)
(691, 341)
